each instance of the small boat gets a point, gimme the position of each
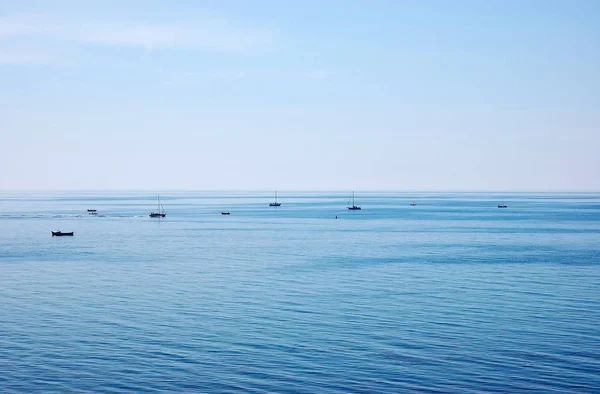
(92, 212)
(413, 204)
(225, 213)
(502, 206)
(353, 207)
(160, 212)
(61, 234)
(275, 204)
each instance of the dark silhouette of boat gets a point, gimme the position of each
(353, 207)
(502, 206)
(160, 211)
(275, 204)
(92, 212)
(225, 213)
(61, 234)
(413, 204)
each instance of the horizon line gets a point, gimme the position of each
(302, 190)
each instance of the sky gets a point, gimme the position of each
(405, 95)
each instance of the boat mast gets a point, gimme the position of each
(159, 208)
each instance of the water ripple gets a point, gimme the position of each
(446, 298)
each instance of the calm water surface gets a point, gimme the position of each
(453, 295)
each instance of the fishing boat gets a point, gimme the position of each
(275, 204)
(92, 212)
(353, 207)
(61, 234)
(160, 211)
(502, 206)
(225, 213)
(413, 204)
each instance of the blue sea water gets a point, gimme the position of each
(453, 295)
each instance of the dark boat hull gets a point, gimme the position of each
(225, 213)
(158, 215)
(61, 234)
(502, 206)
(354, 208)
(275, 204)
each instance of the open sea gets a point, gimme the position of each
(452, 296)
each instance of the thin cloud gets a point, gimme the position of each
(211, 36)
(206, 35)
(28, 56)
(24, 59)
(18, 25)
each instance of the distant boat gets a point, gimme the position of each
(225, 213)
(92, 212)
(275, 204)
(160, 211)
(353, 207)
(413, 204)
(61, 234)
(502, 206)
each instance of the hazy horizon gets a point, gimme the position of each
(281, 193)
(466, 96)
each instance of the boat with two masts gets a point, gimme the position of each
(275, 203)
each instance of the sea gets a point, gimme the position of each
(453, 295)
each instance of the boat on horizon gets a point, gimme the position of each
(92, 212)
(160, 211)
(225, 213)
(353, 207)
(502, 206)
(61, 234)
(413, 204)
(275, 204)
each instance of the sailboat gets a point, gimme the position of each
(160, 211)
(354, 207)
(275, 204)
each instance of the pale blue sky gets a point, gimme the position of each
(305, 95)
